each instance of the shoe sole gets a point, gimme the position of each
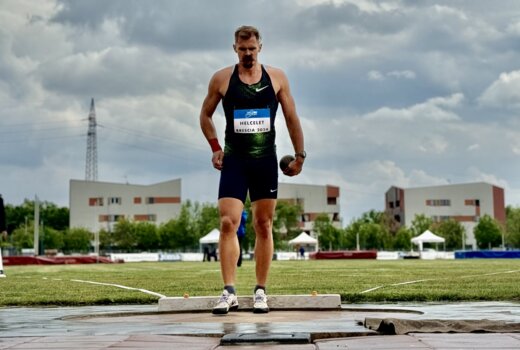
(260, 311)
(224, 311)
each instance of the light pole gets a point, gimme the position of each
(36, 226)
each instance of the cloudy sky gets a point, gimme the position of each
(406, 93)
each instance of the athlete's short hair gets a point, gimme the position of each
(245, 32)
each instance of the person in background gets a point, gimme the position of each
(3, 232)
(302, 253)
(241, 233)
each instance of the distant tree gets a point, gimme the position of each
(106, 241)
(389, 223)
(372, 216)
(286, 223)
(181, 233)
(22, 238)
(17, 216)
(329, 237)
(124, 235)
(187, 237)
(420, 223)
(352, 234)
(147, 236)
(51, 238)
(54, 216)
(50, 215)
(77, 240)
(206, 219)
(167, 236)
(370, 235)
(452, 231)
(287, 219)
(513, 226)
(488, 233)
(370, 230)
(403, 239)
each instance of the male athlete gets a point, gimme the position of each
(250, 94)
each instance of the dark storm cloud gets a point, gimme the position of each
(170, 25)
(333, 19)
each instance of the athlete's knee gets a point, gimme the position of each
(263, 227)
(228, 224)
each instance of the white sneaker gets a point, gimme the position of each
(227, 301)
(260, 306)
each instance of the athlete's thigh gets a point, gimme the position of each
(263, 178)
(263, 209)
(233, 181)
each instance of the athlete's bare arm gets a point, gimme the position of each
(283, 92)
(216, 90)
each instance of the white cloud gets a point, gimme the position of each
(479, 176)
(514, 28)
(503, 92)
(402, 74)
(382, 174)
(436, 109)
(377, 75)
(434, 144)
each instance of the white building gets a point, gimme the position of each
(314, 200)
(465, 203)
(99, 205)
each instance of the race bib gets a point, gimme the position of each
(252, 121)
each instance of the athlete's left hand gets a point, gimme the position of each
(294, 167)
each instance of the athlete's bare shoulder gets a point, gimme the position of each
(273, 71)
(277, 76)
(222, 75)
(220, 80)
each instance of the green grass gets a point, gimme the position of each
(446, 280)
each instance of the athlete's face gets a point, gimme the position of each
(247, 50)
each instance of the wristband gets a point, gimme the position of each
(215, 146)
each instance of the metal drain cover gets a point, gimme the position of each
(257, 338)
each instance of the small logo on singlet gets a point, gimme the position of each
(260, 89)
(251, 113)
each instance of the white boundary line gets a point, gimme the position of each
(123, 287)
(433, 279)
(395, 284)
(491, 273)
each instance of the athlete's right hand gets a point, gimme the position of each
(217, 159)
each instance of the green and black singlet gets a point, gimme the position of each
(250, 114)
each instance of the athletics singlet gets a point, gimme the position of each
(250, 112)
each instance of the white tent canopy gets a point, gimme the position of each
(303, 238)
(427, 237)
(210, 238)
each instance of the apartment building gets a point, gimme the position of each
(465, 203)
(314, 200)
(99, 205)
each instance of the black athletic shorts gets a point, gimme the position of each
(258, 175)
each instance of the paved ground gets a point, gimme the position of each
(147, 341)
(142, 327)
